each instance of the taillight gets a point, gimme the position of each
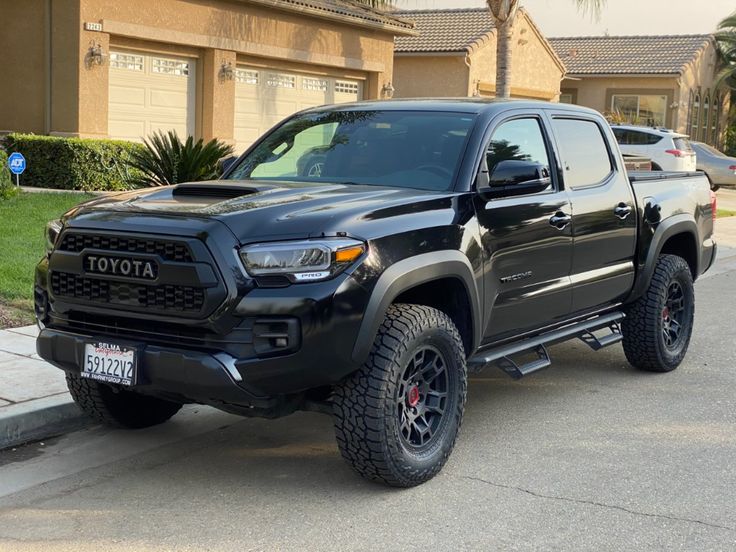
(713, 204)
(732, 168)
(676, 153)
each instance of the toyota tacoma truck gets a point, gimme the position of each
(360, 260)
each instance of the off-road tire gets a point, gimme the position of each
(643, 328)
(118, 407)
(368, 416)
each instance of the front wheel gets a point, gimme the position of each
(658, 325)
(117, 407)
(397, 418)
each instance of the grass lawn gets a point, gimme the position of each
(720, 213)
(22, 244)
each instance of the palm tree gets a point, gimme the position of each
(726, 37)
(503, 13)
(504, 16)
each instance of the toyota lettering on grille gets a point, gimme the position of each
(128, 267)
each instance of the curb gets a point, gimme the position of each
(39, 419)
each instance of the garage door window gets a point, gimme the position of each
(126, 61)
(346, 87)
(245, 76)
(319, 85)
(170, 67)
(281, 81)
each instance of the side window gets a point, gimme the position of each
(517, 153)
(585, 155)
(622, 137)
(653, 139)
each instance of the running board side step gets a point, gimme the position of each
(584, 330)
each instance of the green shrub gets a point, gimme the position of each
(167, 160)
(75, 163)
(7, 188)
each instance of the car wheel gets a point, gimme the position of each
(397, 418)
(117, 407)
(658, 326)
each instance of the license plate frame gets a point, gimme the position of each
(108, 362)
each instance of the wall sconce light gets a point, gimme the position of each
(95, 55)
(387, 92)
(227, 71)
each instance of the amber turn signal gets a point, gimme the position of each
(349, 255)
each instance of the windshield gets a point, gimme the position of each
(408, 149)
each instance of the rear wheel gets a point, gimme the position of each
(658, 326)
(397, 419)
(118, 407)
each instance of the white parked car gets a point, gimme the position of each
(668, 150)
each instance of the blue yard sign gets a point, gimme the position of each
(17, 164)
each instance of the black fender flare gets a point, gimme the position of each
(672, 226)
(409, 273)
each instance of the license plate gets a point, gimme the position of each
(110, 363)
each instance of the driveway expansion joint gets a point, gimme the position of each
(594, 503)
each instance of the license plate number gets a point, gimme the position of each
(110, 363)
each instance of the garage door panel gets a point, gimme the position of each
(128, 130)
(128, 95)
(263, 97)
(149, 93)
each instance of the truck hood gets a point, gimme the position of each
(258, 210)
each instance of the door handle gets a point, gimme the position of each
(622, 210)
(560, 220)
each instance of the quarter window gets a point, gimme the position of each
(585, 156)
(641, 110)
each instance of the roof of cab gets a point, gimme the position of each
(460, 105)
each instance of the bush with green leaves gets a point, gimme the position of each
(76, 163)
(167, 160)
(7, 189)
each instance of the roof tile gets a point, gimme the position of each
(444, 30)
(639, 55)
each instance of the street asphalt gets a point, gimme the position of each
(588, 455)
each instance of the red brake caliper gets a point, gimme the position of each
(412, 396)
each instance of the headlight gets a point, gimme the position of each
(53, 229)
(302, 261)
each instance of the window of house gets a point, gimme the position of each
(705, 119)
(585, 157)
(246, 76)
(643, 110)
(170, 67)
(695, 117)
(130, 62)
(715, 119)
(566, 98)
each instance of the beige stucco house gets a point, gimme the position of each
(454, 54)
(649, 80)
(212, 68)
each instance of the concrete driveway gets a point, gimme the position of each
(589, 455)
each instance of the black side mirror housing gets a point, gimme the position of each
(512, 177)
(225, 163)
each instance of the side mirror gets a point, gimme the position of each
(512, 178)
(225, 163)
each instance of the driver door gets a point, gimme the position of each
(526, 237)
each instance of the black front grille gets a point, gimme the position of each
(166, 297)
(166, 249)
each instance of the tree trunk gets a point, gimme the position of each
(504, 48)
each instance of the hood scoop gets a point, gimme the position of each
(218, 189)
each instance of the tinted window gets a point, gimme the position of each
(683, 144)
(383, 148)
(518, 142)
(584, 152)
(635, 138)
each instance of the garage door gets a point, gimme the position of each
(264, 97)
(150, 93)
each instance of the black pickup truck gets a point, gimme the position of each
(361, 260)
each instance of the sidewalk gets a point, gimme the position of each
(34, 401)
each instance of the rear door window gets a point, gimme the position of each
(586, 158)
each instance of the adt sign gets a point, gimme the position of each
(17, 163)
